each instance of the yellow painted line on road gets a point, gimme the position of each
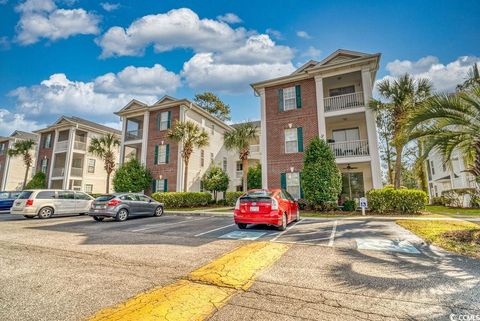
(206, 290)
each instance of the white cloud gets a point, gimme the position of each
(303, 34)
(9, 122)
(112, 124)
(202, 71)
(445, 77)
(107, 6)
(2, 2)
(274, 33)
(230, 18)
(102, 96)
(4, 43)
(42, 19)
(312, 52)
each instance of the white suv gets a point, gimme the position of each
(48, 202)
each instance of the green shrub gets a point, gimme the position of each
(231, 198)
(183, 199)
(440, 200)
(389, 200)
(132, 177)
(215, 180)
(39, 180)
(455, 197)
(254, 177)
(349, 205)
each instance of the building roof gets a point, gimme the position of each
(74, 120)
(20, 135)
(253, 122)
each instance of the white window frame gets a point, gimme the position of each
(290, 96)
(160, 185)
(162, 154)
(287, 150)
(225, 164)
(89, 186)
(164, 122)
(44, 166)
(293, 177)
(202, 158)
(212, 128)
(212, 158)
(48, 139)
(89, 165)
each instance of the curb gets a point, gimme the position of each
(194, 213)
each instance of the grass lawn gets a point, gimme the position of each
(461, 212)
(460, 237)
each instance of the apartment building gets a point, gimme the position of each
(63, 155)
(144, 137)
(12, 169)
(448, 176)
(326, 99)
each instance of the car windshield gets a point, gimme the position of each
(256, 196)
(105, 198)
(24, 195)
(3, 195)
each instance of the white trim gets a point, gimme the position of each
(52, 163)
(146, 125)
(263, 138)
(68, 159)
(122, 141)
(322, 127)
(179, 154)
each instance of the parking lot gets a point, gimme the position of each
(67, 268)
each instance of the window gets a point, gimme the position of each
(239, 166)
(212, 129)
(47, 142)
(239, 188)
(4, 195)
(142, 198)
(341, 91)
(88, 188)
(82, 196)
(225, 164)
(161, 185)
(293, 184)
(25, 195)
(436, 190)
(211, 158)
(44, 165)
(201, 187)
(432, 167)
(66, 195)
(352, 185)
(2, 148)
(45, 195)
(164, 120)
(291, 140)
(128, 197)
(162, 154)
(202, 158)
(289, 98)
(91, 165)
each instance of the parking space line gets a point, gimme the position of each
(215, 229)
(167, 224)
(332, 236)
(280, 234)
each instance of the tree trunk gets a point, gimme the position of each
(108, 183)
(245, 174)
(389, 162)
(185, 175)
(398, 167)
(26, 176)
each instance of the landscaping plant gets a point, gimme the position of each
(183, 199)
(390, 200)
(215, 180)
(103, 147)
(254, 177)
(132, 177)
(22, 148)
(39, 180)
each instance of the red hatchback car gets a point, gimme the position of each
(272, 207)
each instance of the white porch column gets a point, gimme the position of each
(52, 162)
(146, 123)
(371, 130)
(180, 167)
(322, 127)
(122, 140)
(263, 138)
(68, 159)
(6, 168)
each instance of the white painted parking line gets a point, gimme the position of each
(152, 226)
(214, 230)
(243, 235)
(386, 245)
(291, 227)
(332, 236)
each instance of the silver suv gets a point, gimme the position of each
(121, 206)
(45, 203)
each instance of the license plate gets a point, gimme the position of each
(99, 206)
(253, 208)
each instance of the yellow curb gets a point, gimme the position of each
(207, 289)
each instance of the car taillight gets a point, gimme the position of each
(113, 203)
(29, 203)
(237, 204)
(274, 204)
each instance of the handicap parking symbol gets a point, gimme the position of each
(242, 235)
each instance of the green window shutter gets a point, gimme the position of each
(280, 99)
(300, 139)
(154, 186)
(298, 96)
(158, 120)
(283, 180)
(155, 161)
(169, 124)
(165, 185)
(301, 188)
(167, 153)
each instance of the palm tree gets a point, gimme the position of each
(22, 148)
(451, 122)
(404, 95)
(239, 139)
(190, 136)
(103, 148)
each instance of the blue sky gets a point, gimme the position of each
(89, 58)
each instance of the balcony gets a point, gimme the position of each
(133, 134)
(343, 102)
(58, 172)
(254, 148)
(353, 148)
(78, 145)
(76, 171)
(61, 146)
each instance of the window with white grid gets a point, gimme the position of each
(291, 140)
(162, 154)
(293, 184)
(289, 98)
(164, 120)
(88, 188)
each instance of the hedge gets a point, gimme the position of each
(231, 198)
(389, 200)
(183, 199)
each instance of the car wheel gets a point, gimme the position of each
(45, 212)
(242, 226)
(122, 215)
(158, 211)
(98, 218)
(28, 216)
(283, 227)
(297, 217)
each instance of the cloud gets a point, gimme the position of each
(230, 18)
(312, 52)
(102, 96)
(274, 33)
(42, 19)
(4, 43)
(9, 122)
(107, 6)
(2, 2)
(445, 77)
(303, 34)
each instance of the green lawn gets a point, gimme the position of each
(457, 236)
(460, 212)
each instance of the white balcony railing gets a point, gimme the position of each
(350, 149)
(342, 102)
(133, 134)
(58, 172)
(75, 171)
(61, 146)
(254, 148)
(79, 145)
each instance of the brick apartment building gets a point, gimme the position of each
(326, 99)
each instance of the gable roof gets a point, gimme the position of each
(342, 55)
(24, 135)
(73, 120)
(131, 105)
(305, 66)
(165, 98)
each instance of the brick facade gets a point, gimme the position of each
(155, 137)
(45, 152)
(277, 121)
